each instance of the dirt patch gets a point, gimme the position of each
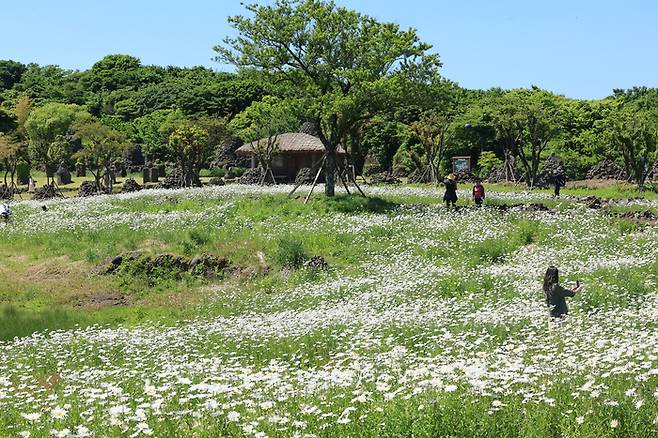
(52, 269)
(99, 300)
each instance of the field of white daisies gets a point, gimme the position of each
(426, 322)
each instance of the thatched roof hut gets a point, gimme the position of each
(296, 150)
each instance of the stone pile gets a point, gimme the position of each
(466, 176)
(384, 178)
(316, 262)
(45, 192)
(310, 128)
(225, 154)
(251, 176)
(499, 174)
(87, 188)
(206, 265)
(63, 175)
(130, 185)
(173, 180)
(553, 168)
(216, 181)
(607, 169)
(304, 176)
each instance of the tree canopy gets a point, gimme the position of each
(346, 67)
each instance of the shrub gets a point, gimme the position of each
(487, 161)
(215, 172)
(22, 172)
(289, 251)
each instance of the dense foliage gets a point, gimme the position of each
(371, 86)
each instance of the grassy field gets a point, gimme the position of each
(427, 322)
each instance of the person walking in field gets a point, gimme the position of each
(478, 193)
(450, 196)
(5, 212)
(556, 294)
(559, 181)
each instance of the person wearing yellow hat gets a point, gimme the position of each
(450, 196)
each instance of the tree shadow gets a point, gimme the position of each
(360, 204)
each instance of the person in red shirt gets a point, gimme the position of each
(478, 193)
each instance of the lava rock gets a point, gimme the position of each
(130, 185)
(216, 181)
(45, 192)
(87, 188)
(384, 178)
(304, 176)
(607, 169)
(252, 176)
(316, 262)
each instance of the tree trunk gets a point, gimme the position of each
(330, 170)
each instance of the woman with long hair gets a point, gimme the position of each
(556, 294)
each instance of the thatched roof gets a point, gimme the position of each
(291, 142)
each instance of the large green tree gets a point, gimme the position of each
(47, 128)
(261, 124)
(526, 121)
(189, 147)
(102, 147)
(347, 67)
(634, 133)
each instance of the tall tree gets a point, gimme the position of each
(526, 121)
(189, 148)
(47, 128)
(432, 130)
(634, 133)
(346, 66)
(11, 150)
(102, 147)
(10, 73)
(261, 125)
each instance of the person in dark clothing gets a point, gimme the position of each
(450, 196)
(558, 182)
(556, 294)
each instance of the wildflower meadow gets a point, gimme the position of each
(425, 322)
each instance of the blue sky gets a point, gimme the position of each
(579, 48)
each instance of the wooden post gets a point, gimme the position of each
(299, 184)
(315, 181)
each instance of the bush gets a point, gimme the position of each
(235, 172)
(487, 161)
(22, 172)
(215, 172)
(289, 251)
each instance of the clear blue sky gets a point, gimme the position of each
(580, 48)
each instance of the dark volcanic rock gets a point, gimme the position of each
(87, 188)
(316, 262)
(216, 181)
(130, 185)
(251, 176)
(384, 178)
(607, 169)
(304, 176)
(63, 175)
(45, 192)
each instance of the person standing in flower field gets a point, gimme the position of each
(5, 212)
(450, 196)
(559, 181)
(556, 294)
(478, 193)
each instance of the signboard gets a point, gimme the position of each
(461, 164)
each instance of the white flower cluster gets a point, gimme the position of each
(414, 318)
